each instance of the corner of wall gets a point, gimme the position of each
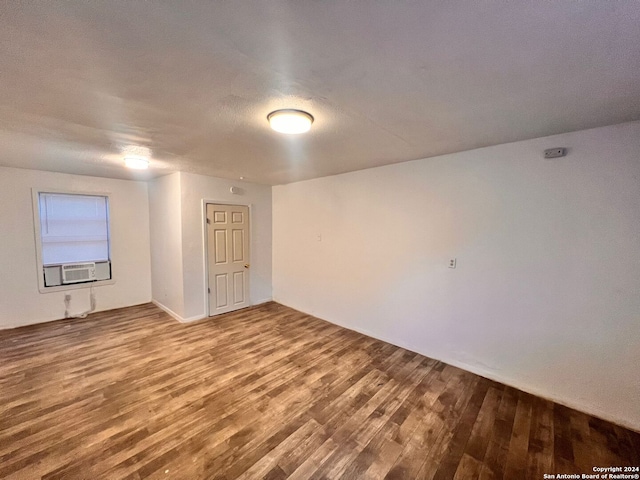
(165, 225)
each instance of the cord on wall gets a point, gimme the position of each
(92, 300)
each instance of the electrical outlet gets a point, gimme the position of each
(452, 263)
(319, 237)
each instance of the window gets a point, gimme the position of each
(74, 229)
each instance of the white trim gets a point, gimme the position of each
(261, 301)
(76, 286)
(205, 253)
(175, 315)
(495, 376)
(35, 204)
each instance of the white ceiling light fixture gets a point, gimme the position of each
(290, 121)
(136, 157)
(136, 162)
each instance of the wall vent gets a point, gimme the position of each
(78, 272)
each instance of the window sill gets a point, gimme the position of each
(75, 286)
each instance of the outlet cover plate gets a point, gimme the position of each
(555, 152)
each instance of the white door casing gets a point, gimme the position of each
(228, 257)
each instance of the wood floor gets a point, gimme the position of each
(269, 392)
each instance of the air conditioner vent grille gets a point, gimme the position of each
(79, 265)
(78, 272)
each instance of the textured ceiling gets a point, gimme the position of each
(386, 81)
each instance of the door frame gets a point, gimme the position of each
(205, 251)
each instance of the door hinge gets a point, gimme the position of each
(208, 290)
(208, 221)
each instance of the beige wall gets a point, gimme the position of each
(195, 189)
(165, 225)
(545, 296)
(20, 301)
(178, 268)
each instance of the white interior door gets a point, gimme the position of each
(228, 257)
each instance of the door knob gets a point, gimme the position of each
(246, 265)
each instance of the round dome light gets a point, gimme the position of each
(136, 162)
(136, 157)
(290, 121)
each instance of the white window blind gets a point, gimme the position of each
(74, 228)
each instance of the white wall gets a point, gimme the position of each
(546, 294)
(165, 226)
(194, 189)
(20, 301)
(177, 247)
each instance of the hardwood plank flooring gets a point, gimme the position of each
(269, 392)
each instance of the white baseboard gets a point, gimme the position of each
(195, 317)
(57, 318)
(496, 377)
(260, 302)
(175, 315)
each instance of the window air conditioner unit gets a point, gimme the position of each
(78, 272)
